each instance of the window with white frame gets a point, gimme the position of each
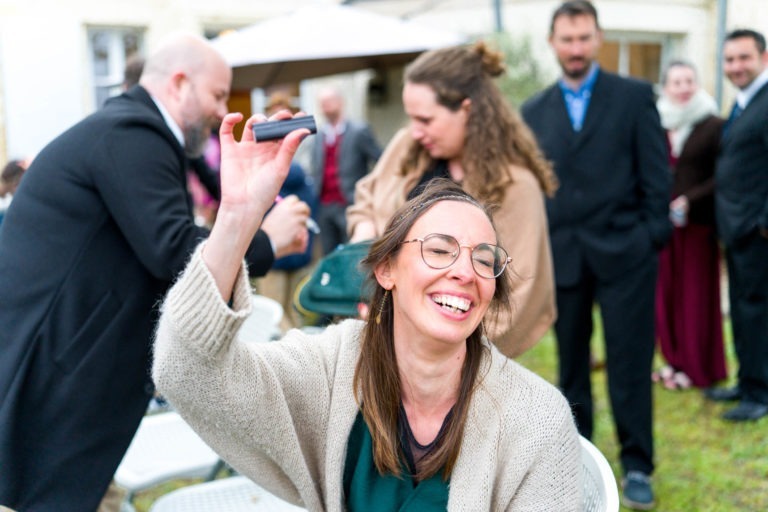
(637, 55)
(109, 49)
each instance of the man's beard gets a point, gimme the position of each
(577, 73)
(195, 139)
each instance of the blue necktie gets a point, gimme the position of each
(735, 113)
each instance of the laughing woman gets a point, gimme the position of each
(413, 409)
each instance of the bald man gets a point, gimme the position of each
(343, 152)
(100, 226)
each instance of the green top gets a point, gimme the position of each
(366, 490)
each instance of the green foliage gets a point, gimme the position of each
(524, 76)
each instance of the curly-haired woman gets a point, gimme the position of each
(462, 128)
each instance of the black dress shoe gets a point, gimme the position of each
(723, 394)
(746, 411)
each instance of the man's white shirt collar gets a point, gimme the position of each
(172, 125)
(744, 96)
(332, 131)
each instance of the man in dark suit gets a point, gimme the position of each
(607, 221)
(99, 228)
(741, 199)
(343, 152)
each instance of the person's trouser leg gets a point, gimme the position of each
(627, 308)
(748, 292)
(332, 220)
(573, 330)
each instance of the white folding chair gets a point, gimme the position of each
(601, 494)
(164, 448)
(234, 494)
(263, 324)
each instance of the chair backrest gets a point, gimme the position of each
(601, 494)
(263, 324)
(234, 494)
(164, 448)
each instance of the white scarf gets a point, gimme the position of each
(679, 119)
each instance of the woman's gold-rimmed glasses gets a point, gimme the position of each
(441, 251)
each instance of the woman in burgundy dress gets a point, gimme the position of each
(688, 317)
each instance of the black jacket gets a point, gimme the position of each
(611, 209)
(741, 175)
(99, 228)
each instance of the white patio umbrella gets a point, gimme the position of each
(323, 40)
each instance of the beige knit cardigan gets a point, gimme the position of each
(281, 412)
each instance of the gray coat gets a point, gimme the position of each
(358, 152)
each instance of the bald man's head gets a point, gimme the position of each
(191, 80)
(189, 53)
(331, 104)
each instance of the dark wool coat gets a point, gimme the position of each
(99, 228)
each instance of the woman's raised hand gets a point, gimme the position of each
(251, 173)
(251, 177)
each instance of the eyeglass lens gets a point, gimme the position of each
(440, 251)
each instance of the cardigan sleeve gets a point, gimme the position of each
(522, 225)
(263, 407)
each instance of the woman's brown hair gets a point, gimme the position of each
(496, 135)
(377, 381)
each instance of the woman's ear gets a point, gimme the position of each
(466, 105)
(383, 274)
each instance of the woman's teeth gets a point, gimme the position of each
(452, 302)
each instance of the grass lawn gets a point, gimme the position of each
(703, 463)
